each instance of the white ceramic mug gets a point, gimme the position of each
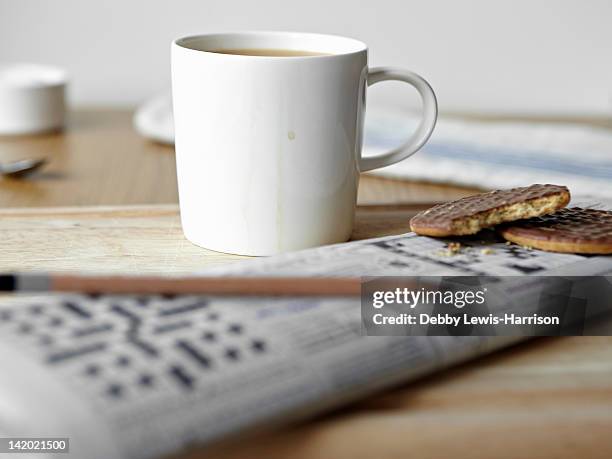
(268, 149)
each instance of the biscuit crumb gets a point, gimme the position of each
(526, 247)
(453, 248)
(508, 243)
(487, 251)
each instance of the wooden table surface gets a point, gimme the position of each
(136, 239)
(549, 398)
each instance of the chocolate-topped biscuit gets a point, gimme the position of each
(473, 213)
(573, 230)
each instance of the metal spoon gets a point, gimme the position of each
(21, 168)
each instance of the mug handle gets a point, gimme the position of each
(426, 126)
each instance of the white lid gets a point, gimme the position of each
(18, 75)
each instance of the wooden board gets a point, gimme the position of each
(134, 239)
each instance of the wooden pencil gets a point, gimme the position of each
(239, 286)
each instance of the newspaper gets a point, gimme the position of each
(143, 377)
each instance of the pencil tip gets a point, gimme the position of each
(7, 282)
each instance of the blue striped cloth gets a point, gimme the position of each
(498, 154)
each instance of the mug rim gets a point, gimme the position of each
(351, 46)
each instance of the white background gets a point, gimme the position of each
(480, 55)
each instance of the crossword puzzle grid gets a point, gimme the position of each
(126, 348)
(410, 255)
(477, 257)
(162, 373)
